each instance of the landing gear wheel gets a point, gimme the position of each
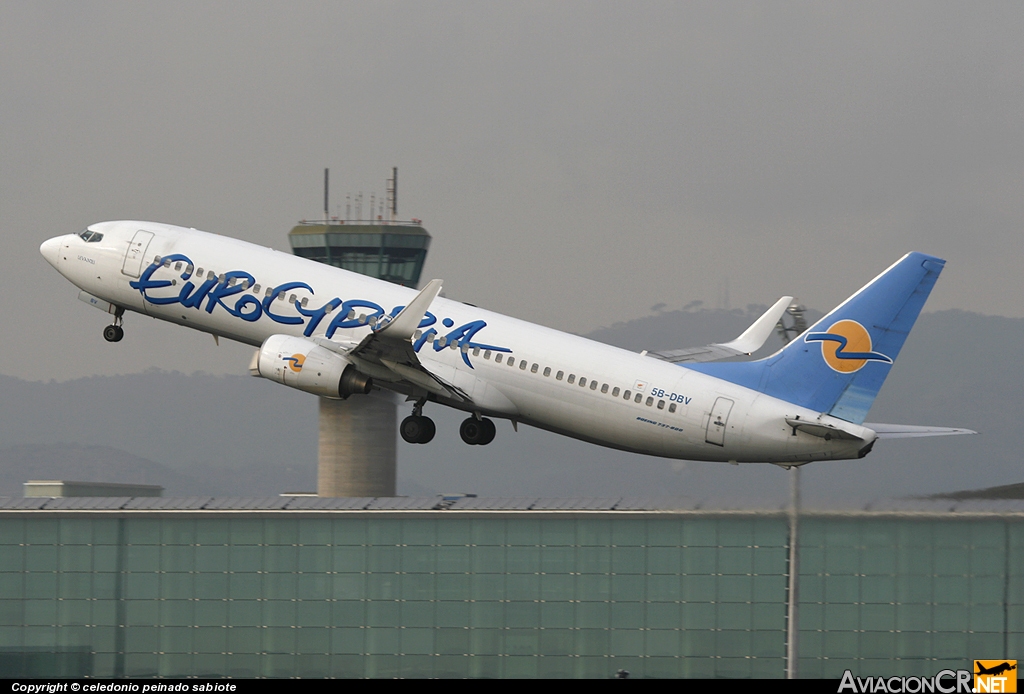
(417, 429)
(477, 432)
(113, 333)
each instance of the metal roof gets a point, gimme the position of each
(440, 504)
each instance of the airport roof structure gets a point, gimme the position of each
(471, 504)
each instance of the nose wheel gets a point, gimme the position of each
(477, 432)
(114, 333)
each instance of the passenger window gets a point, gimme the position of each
(583, 382)
(189, 268)
(199, 274)
(593, 385)
(547, 371)
(210, 275)
(497, 358)
(270, 290)
(511, 361)
(177, 267)
(615, 392)
(533, 369)
(572, 378)
(638, 398)
(626, 395)
(522, 366)
(291, 299)
(672, 407)
(255, 289)
(604, 388)
(558, 376)
(661, 404)
(476, 351)
(454, 344)
(330, 308)
(465, 348)
(372, 320)
(487, 354)
(280, 297)
(351, 314)
(220, 278)
(167, 263)
(650, 401)
(362, 321)
(417, 335)
(305, 301)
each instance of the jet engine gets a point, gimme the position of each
(305, 365)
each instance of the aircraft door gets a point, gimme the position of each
(718, 420)
(136, 252)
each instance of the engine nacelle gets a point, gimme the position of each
(305, 365)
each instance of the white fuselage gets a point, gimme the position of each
(559, 382)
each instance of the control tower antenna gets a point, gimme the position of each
(327, 215)
(392, 186)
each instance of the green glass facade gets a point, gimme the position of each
(504, 594)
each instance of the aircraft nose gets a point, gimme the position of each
(50, 249)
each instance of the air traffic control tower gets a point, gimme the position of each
(358, 436)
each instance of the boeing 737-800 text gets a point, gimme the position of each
(339, 334)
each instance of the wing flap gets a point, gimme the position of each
(387, 351)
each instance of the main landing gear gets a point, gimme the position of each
(114, 333)
(419, 429)
(477, 432)
(416, 428)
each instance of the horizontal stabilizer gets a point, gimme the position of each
(828, 428)
(907, 431)
(752, 339)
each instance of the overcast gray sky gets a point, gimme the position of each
(575, 162)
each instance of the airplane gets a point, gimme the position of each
(339, 334)
(999, 669)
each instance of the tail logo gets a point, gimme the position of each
(846, 346)
(295, 362)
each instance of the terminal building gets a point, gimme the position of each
(475, 587)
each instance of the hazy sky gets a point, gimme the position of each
(576, 163)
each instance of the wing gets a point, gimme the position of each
(752, 339)
(387, 352)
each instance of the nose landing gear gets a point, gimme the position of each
(477, 432)
(114, 333)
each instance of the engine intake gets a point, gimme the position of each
(299, 363)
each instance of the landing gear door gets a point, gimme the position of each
(718, 420)
(136, 252)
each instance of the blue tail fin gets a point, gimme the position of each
(838, 365)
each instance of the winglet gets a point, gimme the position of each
(402, 326)
(754, 337)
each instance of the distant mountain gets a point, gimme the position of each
(245, 436)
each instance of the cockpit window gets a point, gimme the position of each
(91, 236)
